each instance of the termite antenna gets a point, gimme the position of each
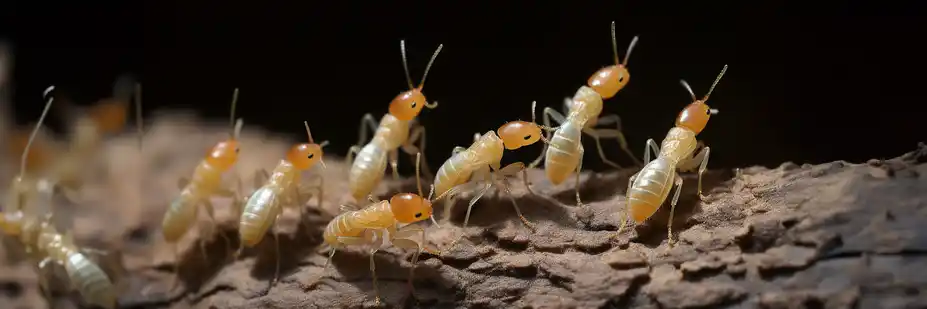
(418, 172)
(309, 133)
(232, 124)
(405, 63)
(615, 43)
(689, 89)
(534, 119)
(48, 104)
(717, 79)
(627, 54)
(434, 56)
(236, 132)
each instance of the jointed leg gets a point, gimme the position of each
(510, 170)
(669, 224)
(469, 209)
(627, 210)
(701, 170)
(352, 152)
(361, 133)
(403, 239)
(418, 133)
(579, 168)
(615, 133)
(377, 243)
(547, 115)
(653, 146)
(276, 249)
(394, 163)
(211, 212)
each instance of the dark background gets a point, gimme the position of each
(804, 85)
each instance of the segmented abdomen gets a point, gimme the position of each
(354, 223)
(259, 214)
(563, 154)
(650, 188)
(180, 216)
(90, 280)
(455, 171)
(367, 170)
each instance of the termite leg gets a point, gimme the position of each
(467, 217)
(331, 254)
(418, 133)
(43, 279)
(701, 170)
(373, 265)
(511, 170)
(547, 115)
(579, 168)
(352, 152)
(653, 146)
(211, 212)
(403, 239)
(371, 124)
(616, 133)
(394, 163)
(627, 210)
(277, 248)
(669, 224)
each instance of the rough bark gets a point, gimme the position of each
(834, 235)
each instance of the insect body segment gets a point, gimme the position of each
(205, 183)
(650, 187)
(394, 131)
(281, 189)
(564, 156)
(383, 223)
(483, 159)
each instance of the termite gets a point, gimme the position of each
(107, 116)
(26, 187)
(206, 183)
(383, 223)
(281, 189)
(650, 187)
(395, 130)
(564, 156)
(484, 159)
(45, 245)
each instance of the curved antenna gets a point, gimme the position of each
(627, 54)
(22, 163)
(236, 132)
(309, 133)
(717, 79)
(405, 63)
(689, 89)
(232, 114)
(434, 56)
(534, 105)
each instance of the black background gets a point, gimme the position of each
(804, 85)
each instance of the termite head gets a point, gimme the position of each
(305, 156)
(109, 115)
(407, 105)
(695, 116)
(611, 79)
(410, 207)
(517, 134)
(224, 155)
(11, 223)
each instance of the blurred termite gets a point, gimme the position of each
(650, 187)
(25, 187)
(47, 247)
(383, 223)
(483, 159)
(66, 167)
(281, 189)
(205, 183)
(395, 130)
(564, 156)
